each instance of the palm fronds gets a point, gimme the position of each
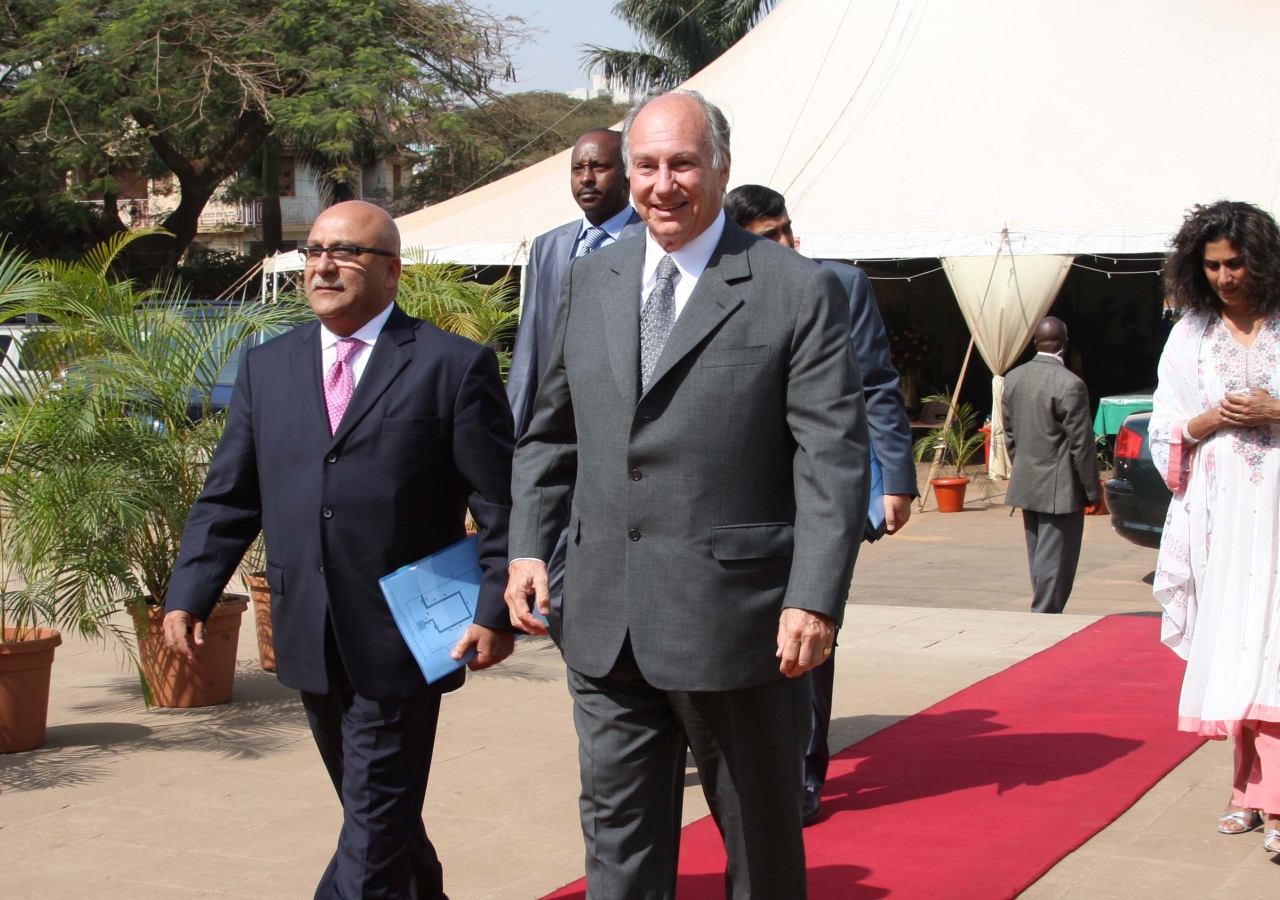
(444, 295)
(958, 441)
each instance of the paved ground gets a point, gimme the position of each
(233, 802)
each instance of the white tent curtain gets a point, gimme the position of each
(1002, 298)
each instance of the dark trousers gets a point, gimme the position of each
(378, 753)
(748, 746)
(818, 758)
(1053, 552)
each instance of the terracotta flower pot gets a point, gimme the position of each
(260, 594)
(25, 668)
(205, 681)
(950, 493)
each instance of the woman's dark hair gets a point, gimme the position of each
(748, 202)
(1250, 230)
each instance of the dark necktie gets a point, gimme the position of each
(656, 319)
(592, 240)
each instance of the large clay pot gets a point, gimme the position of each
(205, 681)
(25, 668)
(260, 594)
(950, 493)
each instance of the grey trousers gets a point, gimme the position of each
(1053, 552)
(749, 748)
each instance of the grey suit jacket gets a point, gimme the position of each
(737, 484)
(531, 353)
(886, 413)
(1050, 438)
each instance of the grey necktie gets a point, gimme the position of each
(592, 240)
(656, 319)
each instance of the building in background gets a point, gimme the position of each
(600, 87)
(234, 225)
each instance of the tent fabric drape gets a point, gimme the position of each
(1002, 298)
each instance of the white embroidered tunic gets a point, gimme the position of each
(1218, 574)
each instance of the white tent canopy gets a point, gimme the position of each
(923, 128)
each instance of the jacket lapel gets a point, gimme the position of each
(711, 302)
(385, 362)
(306, 371)
(622, 323)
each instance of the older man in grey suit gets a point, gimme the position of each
(701, 427)
(1055, 465)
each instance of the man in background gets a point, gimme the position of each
(1049, 436)
(598, 179)
(763, 211)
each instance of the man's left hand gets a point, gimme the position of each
(897, 510)
(805, 640)
(491, 647)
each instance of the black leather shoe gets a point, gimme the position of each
(812, 807)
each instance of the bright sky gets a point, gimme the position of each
(551, 59)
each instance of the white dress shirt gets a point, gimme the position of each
(691, 260)
(612, 229)
(368, 333)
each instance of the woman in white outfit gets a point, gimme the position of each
(1215, 435)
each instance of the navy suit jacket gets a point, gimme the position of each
(426, 436)
(548, 258)
(886, 414)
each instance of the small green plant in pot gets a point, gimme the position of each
(104, 466)
(959, 441)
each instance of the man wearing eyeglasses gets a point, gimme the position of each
(357, 443)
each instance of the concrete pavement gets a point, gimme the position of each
(234, 802)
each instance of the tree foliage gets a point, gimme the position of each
(474, 145)
(195, 87)
(678, 38)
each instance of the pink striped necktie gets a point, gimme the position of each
(340, 382)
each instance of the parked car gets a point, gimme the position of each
(1137, 496)
(15, 373)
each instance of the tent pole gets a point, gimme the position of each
(964, 367)
(951, 411)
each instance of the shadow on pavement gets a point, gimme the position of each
(263, 716)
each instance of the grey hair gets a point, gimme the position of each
(717, 126)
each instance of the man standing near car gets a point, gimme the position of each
(763, 211)
(1055, 464)
(357, 443)
(598, 179)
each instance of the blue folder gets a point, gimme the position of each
(875, 511)
(433, 602)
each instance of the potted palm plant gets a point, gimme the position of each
(103, 468)
(954, 446)
(253, 572)
(26, 648)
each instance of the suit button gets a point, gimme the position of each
(322, 570)
(635, 475)
(327, 513)
(634, 535)
(331, 458)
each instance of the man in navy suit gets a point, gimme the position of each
(356, 444)
(599, 183)
(763, 211)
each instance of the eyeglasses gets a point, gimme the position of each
(340, 253)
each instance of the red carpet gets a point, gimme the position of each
(977, 797)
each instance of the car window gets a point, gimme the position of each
(6, 341)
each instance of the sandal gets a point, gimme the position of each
(1247, 819)
(1271, 841)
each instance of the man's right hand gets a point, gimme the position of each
(527, 579)
(180, 630)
